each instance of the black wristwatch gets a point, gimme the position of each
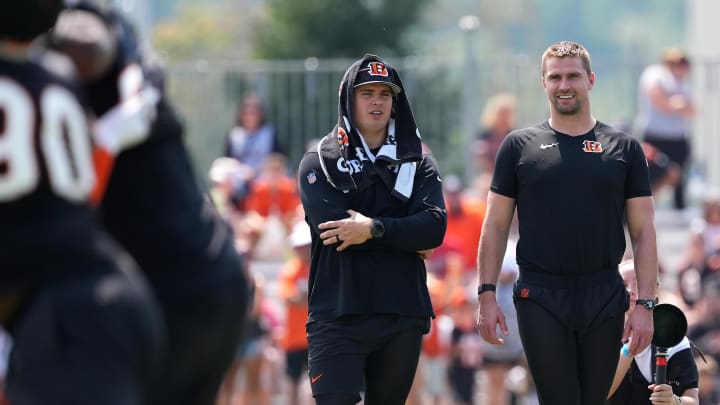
(377, 229)
(648, 304)
(486, 287)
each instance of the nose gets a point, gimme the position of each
(564, 84)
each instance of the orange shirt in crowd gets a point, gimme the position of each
(292, 288)
(277, 196)
(432, 344)
(465, 228)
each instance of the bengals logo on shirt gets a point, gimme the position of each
(592, 147)
(342, 137)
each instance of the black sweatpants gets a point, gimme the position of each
(571, 329)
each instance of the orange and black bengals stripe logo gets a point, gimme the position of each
(342, 137)
(592, 147)
(377, 69)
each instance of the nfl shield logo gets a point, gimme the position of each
(311, 178)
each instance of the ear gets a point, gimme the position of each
(591, 80)
(393, 111)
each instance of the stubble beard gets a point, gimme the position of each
(571, 109)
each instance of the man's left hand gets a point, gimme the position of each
(639, 326)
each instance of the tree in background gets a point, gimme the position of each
(332, 29)
(198, 31)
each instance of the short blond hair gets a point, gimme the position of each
(564, 49)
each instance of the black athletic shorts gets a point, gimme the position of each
(338, 349)
(295, 362)
(579, 302)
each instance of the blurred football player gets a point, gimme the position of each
(154, 207)
(84, 324)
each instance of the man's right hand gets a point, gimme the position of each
(489, 317)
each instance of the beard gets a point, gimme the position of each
(566, 109)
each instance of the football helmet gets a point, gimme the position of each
(26, 19)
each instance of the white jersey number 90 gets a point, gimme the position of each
(64, 142)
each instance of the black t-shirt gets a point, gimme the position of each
(570, 193)
(46, 174)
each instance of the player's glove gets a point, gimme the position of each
(128, 123)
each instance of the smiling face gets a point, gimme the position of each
(567, 85)
(372, 108)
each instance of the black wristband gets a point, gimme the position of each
(486, 287)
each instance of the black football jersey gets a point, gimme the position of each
(153, 204)
(156, 209)
(46, 173)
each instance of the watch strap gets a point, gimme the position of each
(648, 303)
(485, 288)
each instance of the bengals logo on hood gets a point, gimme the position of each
(342, 137)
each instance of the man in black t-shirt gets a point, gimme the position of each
(84, 324)
(572, 179)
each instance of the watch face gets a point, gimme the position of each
(649, 304)
(377, 230)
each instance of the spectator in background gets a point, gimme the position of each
(465, 352)
(498, 119)
(465, 216)
(702, 258)
(709, 380)
(633, 383)
(252, 139)
(293, 290)
(662, 170)
(273, 196)
(665, 110)
(223, 176)
(704, 326)
(274, 192)
(430, 386)
(251, 359)
(498, 360)
(247, 226)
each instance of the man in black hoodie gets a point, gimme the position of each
(375, 206)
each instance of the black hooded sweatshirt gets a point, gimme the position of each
(397, 185)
